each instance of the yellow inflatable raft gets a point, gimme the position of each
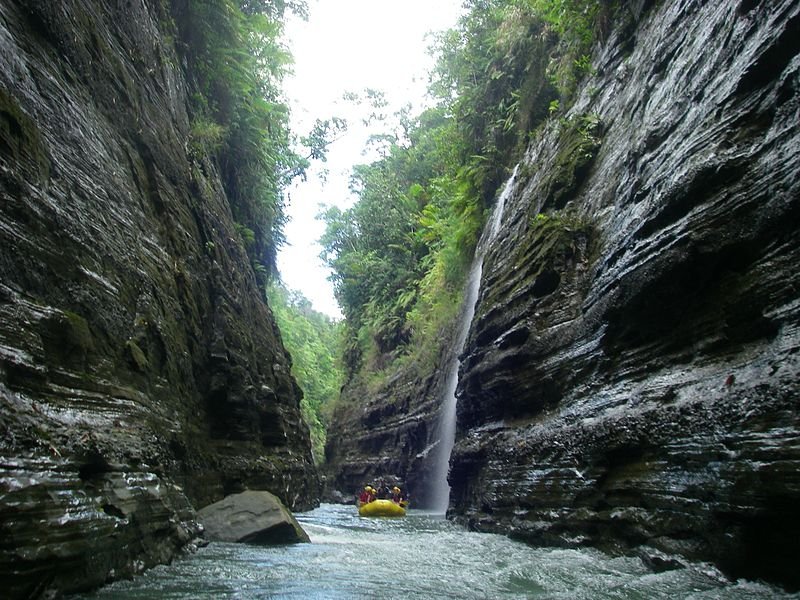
(382, 508)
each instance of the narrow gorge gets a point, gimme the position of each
(630, 376)
(621, 372)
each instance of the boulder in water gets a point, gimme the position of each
(252, 517)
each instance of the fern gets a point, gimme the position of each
(238, 63)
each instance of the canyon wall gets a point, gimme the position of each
(390, 432)
(631, 375)
(141, 372)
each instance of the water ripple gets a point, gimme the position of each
(418, 557)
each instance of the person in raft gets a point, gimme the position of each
(367, 495)
(397, 495)
(383, 490)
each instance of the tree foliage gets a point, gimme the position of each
(236, 62)
(400, 255)
(312, 339)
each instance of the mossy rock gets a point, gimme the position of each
(20, 138)
(67, 338)
(136, 356)
(554, 234)
(578, 147)
(78, 334)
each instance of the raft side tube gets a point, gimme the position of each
(381, 508)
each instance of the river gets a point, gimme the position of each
(419, 556)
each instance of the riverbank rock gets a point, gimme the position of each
(141, 371)
(252, 517)
(631, 374)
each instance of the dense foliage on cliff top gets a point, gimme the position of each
(400, 255)
(313, 340)
(236, 63)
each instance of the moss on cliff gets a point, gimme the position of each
(578, 144)
(20, 138)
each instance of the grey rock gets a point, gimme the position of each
(631, 374)
(660, 562)
(141, 371)
(253, 517)
(387, 435)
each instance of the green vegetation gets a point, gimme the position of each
(401, 253)
(313, 340)
(236, 63)
(576, 23)
(577, 147)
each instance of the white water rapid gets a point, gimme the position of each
(440, 491)
(418, 557)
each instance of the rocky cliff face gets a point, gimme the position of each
(391, 432)
(141, 372)
(631, 375)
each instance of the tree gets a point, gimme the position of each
(313, 340)
(400, 255)
(237, 63)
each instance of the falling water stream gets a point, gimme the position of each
(420, 556)
(440, 492)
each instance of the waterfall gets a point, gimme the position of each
(440, 489)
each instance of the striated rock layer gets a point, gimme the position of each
(141, 372)
(631, 375)
(389, 433)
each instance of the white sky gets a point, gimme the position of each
(347, 46)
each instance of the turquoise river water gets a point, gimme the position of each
(419, 556)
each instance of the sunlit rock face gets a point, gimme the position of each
(141, 372)
(631, 376)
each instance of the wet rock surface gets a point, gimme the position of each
(390, 433)
(252, 517)
(141, 372)
(631, 375)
